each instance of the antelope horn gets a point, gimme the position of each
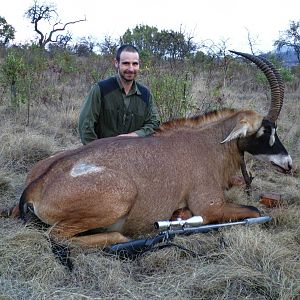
(279, 79)
(275, 82)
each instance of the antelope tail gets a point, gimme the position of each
(23, 207)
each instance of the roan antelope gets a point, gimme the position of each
(122, 185)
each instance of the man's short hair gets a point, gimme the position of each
(125, 47)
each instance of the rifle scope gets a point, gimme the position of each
(193, 221)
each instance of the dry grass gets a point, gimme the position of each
(259, 262)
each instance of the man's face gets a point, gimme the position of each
(128, 66)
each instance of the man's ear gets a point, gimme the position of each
(116, 63)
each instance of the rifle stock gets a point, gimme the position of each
(137, 247)
(134, 247)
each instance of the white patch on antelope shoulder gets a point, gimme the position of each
(85, 168)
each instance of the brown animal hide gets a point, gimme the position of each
(123, 185)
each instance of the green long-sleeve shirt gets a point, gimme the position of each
(108, 111)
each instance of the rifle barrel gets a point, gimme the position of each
(208, 227)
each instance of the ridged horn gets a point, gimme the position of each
(279, 79)
(275, 82)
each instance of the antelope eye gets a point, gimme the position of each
(268, 130)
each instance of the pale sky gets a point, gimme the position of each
(216, 20)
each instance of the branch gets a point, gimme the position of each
(49, 39)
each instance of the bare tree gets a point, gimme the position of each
(220, 52)
(252, 41)
(48, 12)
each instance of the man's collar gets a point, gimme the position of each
(134, 87)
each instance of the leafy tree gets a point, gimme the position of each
(167, 44)
(47, 12)
(12, 71)
(85, 46)
(175, 44)
(290, 38)
(7, 32)
(108, 47)
(144, 37)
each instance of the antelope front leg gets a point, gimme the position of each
(229, 212)
(213, 208)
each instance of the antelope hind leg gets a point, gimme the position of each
(75, 232)
(100, 240)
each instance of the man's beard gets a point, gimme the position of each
(123, 76)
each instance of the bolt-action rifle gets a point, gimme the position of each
(168, 230)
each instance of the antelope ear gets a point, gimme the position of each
(240, 130)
